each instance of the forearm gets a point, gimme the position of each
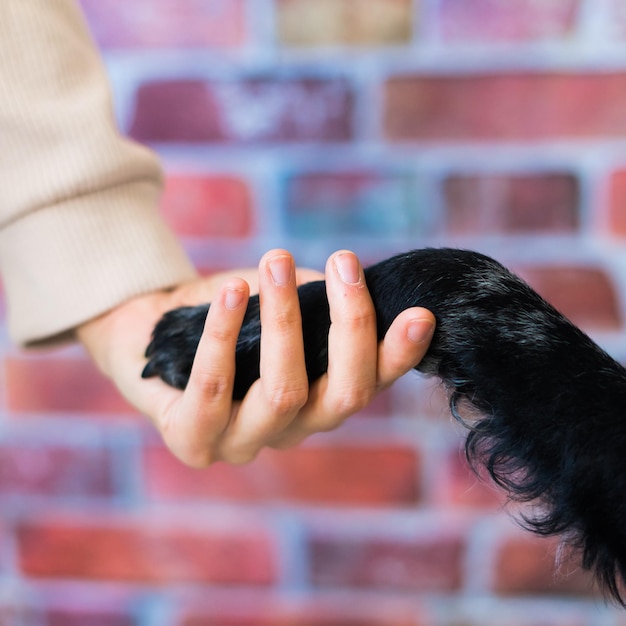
(79, 230)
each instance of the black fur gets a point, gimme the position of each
(550, 401)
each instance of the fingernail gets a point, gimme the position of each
(281, 269)
(233, 298)
(420, 330)
(348, 268)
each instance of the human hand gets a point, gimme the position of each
(203, 424)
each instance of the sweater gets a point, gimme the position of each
(80, 230)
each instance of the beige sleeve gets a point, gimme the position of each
(79, 226)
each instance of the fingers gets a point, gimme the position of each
(351, 378)
(208, 426)
(404, 344)
(193, 431)
(280, 409)
(358, 365)
(284, 383)
(282, 390)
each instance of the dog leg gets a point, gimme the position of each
(550, 400)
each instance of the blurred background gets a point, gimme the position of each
(375, 125)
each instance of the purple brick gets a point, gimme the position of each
(252, 110)
(433, 563)
(514, 20)
(58, 471)
(88, 617)
(166, 23)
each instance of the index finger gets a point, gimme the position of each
(205, 409)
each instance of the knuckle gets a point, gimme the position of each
(221, 334)
(325, 425)
(201, 457)
(199, 461)
(286, 400)
(285, 322)
(238, 455)
(197, 458)
(351, 401)
(242, 458)
(217, 386)
(285, 443)
(212, 382)
(359, 320)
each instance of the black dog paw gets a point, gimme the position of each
(176, 336)
(174, 343)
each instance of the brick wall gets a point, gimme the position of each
(377, 125)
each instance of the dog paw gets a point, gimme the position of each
(173, 346)
(175, 340)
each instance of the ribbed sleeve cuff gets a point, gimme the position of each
(67, 263)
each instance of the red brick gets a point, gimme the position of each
(59, 471)
(459, 486)
(617, 203)
(308, 610)
(145, 552)
(432, 563)
(88, 618)
(207, 206)
(494, 107)
(512, 204)
(297, 619)
(546, 614)
(365, 203)
(522, 20)
(170, 24)
(585, 295)
(253, 110)
(340, 475)
(347, 22)
(45, 384)
(525, 565)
